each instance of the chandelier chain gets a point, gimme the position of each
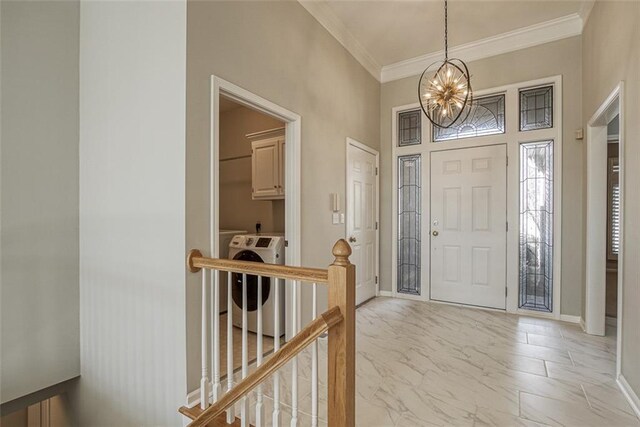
(446, 30)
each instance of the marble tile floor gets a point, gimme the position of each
(428, 364)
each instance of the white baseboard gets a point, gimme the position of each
(583, 325)
(193, 398)
(570, 318)
(385, 293)
(631, 395)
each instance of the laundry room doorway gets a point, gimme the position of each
(254, 214)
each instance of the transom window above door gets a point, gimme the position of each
(485, 118)
(409, 128)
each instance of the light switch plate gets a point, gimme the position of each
(335, 218)
(341, 218)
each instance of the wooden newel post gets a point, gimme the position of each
(342, 339)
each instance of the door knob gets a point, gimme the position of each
(435, 233)
(352, 239)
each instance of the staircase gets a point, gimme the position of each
(267, 383)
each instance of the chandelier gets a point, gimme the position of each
(444, 89)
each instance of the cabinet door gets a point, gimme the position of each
(265, 173)
(281, 167)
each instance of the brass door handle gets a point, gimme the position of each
(435, 233)
(352, 239)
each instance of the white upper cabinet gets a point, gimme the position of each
(267, 168)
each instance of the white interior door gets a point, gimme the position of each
(362, 202)
(468, 226)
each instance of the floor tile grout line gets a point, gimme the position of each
(554, 398)
(585, 396)
(519, 403)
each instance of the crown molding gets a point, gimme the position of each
(328, 19)
(585, 10)
(545, 32)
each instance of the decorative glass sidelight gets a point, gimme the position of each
(409, 217)
(536, 226)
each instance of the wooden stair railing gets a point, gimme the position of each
(291, 349)
(338, 320)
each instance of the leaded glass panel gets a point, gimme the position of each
(536, 226)
(485, 118)
(409, 217)
(536, 108)
(409, 128)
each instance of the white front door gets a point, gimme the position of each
(362, 202)
(468, 226)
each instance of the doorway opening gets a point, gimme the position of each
(255, 194)
(251, 223)
(613, 220)
(605, 201)
(514, 264)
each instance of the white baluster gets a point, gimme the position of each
(205, 385)
(314, 362)
(259, 404)
(215, 332)
(294, 361)
(231, 416)
(276, 347)
(244, 403)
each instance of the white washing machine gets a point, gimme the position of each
(264, 248)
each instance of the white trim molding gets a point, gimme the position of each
(522, 38)
(630, 394)
(570, 318)
(334, 25)
(595, 292)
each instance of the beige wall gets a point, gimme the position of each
(611, 53)
(558, 58)
(278, 51)
(238, 211)
(40, 327)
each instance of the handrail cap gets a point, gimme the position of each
(341, 251)
(193, 253)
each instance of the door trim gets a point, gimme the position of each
(353, 143)
(595, 294)
(513, 138)
(293, 128)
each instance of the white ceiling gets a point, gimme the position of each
(383, 33)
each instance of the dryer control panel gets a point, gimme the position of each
(252, 241)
